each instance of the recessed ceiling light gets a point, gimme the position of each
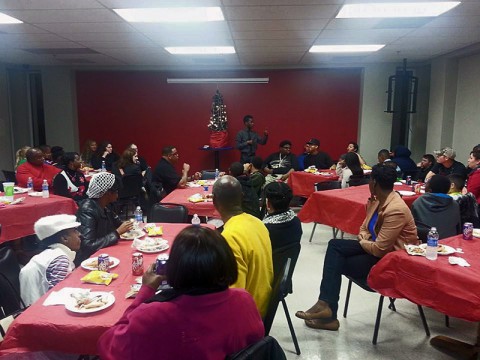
(178, 14)
(200, 50)
(344, 48)
(6, 19)
(394, 10)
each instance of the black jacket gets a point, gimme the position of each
(439, 211)
(99, 228)
(250, 203)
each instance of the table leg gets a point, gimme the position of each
(217, 159)
(465, 350)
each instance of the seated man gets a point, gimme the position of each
(60, 239)
(250, 203)
(248, 238)
(281, 164)
(319, 159)
(424, 167)
(401, 156)
(100, 226)
(256, 176)
(466, 202)
(436, 208)
(383, 157)
(446, 164)
(165, 173)
(36, 168)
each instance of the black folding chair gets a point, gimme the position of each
(168, 213)
(358, 180)
(266, 349)
(129, 195)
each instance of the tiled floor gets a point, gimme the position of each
(401, 334)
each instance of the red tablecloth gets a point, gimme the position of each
(53, 328)
(449, 289)
(344, 209)
(17, 220)
(180, 196)
(302, 183)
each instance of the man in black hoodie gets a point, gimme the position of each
(436, 208)
(250, 203)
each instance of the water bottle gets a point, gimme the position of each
(138, 214)
(432, 243)
(195, 220)
(205, 191)
(30, 184)
(103, 166)
(45, 192)
(217, 174)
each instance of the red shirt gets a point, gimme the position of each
(473, 184)
(37, 173)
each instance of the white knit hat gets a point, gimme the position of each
(99, 184)
(50, 225)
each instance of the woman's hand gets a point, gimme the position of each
(126, 226)
(151, 279)
(105, 153)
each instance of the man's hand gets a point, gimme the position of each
(186, 167)
(265, 132)
(249, 142)
(124, 227)
(197, 175)
(151, 279)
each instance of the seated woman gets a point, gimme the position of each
(353, 148)
(352, 167)
(70, 182)
(388, 226)
(201, 318)
(128, 164)
(100, 226)
(59, 236)
(21, 156)
(89, 149)
(104, 153)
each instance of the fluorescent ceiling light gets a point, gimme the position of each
(6, 19)
(200, 50)
(177, 14)
(396, 10)
(219, 80)
(344, 48)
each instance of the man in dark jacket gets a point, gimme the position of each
(437, 208)
(100, 226)
(401, 157)
(250, 203)
(282, 163)
(315, 157)
(247, 140)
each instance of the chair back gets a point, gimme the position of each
(280, 258)
(328, 185)
(132, 186)
(9, 282)
(265, 349)
(279, 291)
(208, 175)
(357, 180)
(9, 176)
(168, 213)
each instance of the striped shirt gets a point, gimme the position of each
(57, 270)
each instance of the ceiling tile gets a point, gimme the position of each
(276, 49)
(20, 29)
(249, 25)
(48, 4)
(104, 36)
(88, 27)
(52, 16)
(280, 12)
(122, 4)
(275, 35)
(272, 43)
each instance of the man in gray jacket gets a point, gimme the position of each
(247, 140)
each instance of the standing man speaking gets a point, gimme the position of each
(248, 140)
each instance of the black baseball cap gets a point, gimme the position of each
(313, 142)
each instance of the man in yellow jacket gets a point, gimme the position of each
(249, 240)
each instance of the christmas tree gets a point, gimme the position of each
(218, 119)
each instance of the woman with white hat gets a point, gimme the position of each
(100, 226)
(61, 239)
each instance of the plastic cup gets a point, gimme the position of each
(8, 189)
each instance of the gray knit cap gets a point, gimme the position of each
(99, 184)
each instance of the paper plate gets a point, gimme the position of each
(72, 306)
(86, 263)
(132, 234)
(406, 193)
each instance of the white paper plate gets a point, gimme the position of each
(71, 304)
(35, 193)
(476, 233)
(153, 249)
(446, 250)
(406, 193)
(132, 234)
(85, 263)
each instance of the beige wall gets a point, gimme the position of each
(6, 148)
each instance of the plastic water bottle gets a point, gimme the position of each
(217, 174)
(30, 184)
(138, 214)
(195, 220)
(45, 192)
(103, 166)
(432, 243)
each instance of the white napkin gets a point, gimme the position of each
(455, 260)
(61, 297)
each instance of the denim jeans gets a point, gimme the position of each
(343, 257)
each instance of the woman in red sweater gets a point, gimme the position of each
(473, 182)
(200, 318)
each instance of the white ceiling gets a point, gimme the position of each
(276, 33)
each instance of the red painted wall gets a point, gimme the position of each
(141, 107)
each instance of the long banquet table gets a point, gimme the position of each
(303, 183)
(180, 196)
(449, 289)
(344, 209)
(53, 328)
(17, 220)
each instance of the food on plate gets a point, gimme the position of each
(417, 250)
(88, 301)
(132, 234)
(153, 230)
(94, 263)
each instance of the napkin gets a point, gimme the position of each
(61, 297)
(455, 260)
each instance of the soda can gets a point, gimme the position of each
(468, 231)
(137, 264)
(103, 262)
(409, 180)
(161, 264)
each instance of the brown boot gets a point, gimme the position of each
(323, 324)
(321, 310)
